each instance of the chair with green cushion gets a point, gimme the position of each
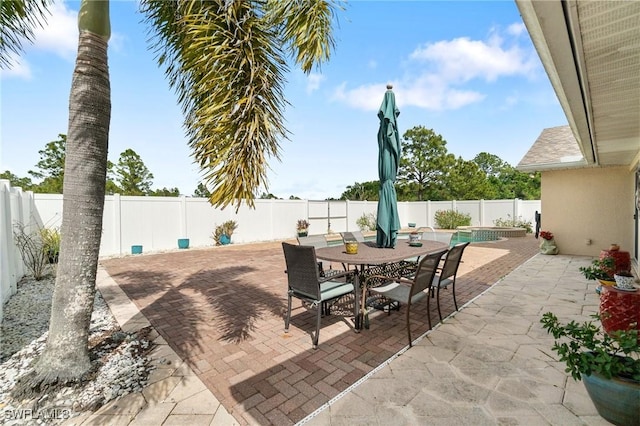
(409, 291)
(306, 284)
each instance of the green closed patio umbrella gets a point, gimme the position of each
(388, 223)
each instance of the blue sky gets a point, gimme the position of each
(467, 70)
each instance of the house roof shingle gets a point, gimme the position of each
(556, 148)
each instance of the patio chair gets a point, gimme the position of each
(306, 284)
(317, 241)
(409, 291)
(430, 234)
(352, 236)
(447, 275)
(443, 237)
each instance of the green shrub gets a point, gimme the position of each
(366, 222)
(451, 219)
(51, 243)
(514, 223)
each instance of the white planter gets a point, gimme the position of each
(624, 282)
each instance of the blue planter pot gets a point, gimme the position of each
(225, 239)
(617, 400)
(136, 249)
(183, 243)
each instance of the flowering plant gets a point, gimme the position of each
(547, 235)
(302, 225)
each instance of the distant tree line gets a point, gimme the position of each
(428, 171)
(130, 176)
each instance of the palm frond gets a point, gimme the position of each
(306, 28)
(18, 19)
(226, 62)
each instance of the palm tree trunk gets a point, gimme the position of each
(66, 357)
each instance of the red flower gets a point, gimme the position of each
(547, 235)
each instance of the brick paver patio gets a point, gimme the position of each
(221, 309)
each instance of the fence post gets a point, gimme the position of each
(482, 213)
(516, 211)
(17, 216)
(183, 217)
(347, 214)
(117, 223)
(7, 246)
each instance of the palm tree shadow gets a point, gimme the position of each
(216, 299)
(236, 303)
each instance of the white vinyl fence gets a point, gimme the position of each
(156, 223)
(16, 207)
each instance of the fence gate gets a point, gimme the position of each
(327, 216)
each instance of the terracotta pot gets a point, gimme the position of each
(622, 260)
(619, 309)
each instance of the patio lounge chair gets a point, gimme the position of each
(447, 275)
(408, 291)
(306, 284)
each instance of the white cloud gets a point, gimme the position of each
(516, 29)
(426, 92)
(367, 97)
(443, 75)
(313, 82)
(19, 68)
(60, 35)
(462, 59)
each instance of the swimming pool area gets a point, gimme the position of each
(461, 235)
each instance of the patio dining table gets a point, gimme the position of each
(370, 254)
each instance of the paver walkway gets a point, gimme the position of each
(489, 364)
(221, 309)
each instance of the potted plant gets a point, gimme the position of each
(624, 280)
(222, 233)
(302, 227)
(600, 270)
(548, 243)
(607, 363)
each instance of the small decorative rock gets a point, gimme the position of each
(121, 365)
